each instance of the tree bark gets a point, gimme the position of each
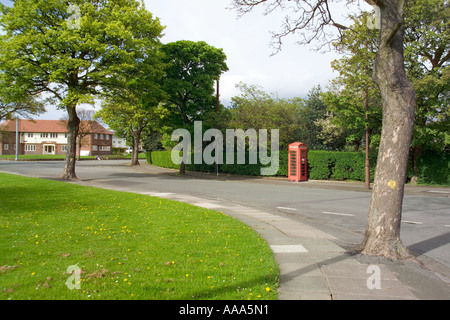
(73, 125)
(382, 235)
(135, 155)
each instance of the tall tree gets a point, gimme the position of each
(191, 72)
(427, 58)
(354, 99)
(312, 19)
(73, 53)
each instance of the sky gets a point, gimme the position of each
(293, 72)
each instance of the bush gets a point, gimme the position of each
(434, 168)
(322, 165)
(162, 159)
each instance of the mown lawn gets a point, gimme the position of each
(128, 246)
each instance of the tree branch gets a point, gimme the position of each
(388, 40)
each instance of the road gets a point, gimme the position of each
(336, 208)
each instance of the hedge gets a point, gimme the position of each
(433, 168)
(322, 165)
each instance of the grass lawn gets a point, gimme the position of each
(128, 246)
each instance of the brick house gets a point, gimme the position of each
(50, 137)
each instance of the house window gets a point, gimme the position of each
(30, 147)
(6, 147)
(64, 148)
(94, 148)
(30, 134)
(44, 135)
(53, 135)
(101, 136)
(107, 136)
(95, 136)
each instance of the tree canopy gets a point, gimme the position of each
(45, 52)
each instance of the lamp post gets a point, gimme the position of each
(217, 127)
(17, 138)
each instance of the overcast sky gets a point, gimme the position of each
(293, 72)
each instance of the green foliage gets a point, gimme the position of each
(111, 36)
(296, 118)
(129, 246)
(323, 165)
(191, 70)
(162, 159)
(433, 168)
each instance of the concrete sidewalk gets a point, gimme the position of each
(312, 266)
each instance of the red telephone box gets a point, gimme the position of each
(298, 162)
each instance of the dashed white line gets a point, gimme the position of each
(412, 222)
(438, 191)
(339, 214)
(285, 208)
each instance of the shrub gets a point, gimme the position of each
(322, 165)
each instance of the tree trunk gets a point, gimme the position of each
(382, 235)
(135, 155)
(183, 164)
(73, 125)
(79, 147)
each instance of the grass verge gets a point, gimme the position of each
(127, 246)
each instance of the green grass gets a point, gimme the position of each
(128, 246)
(62, 157)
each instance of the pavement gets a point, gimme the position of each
(312, 266)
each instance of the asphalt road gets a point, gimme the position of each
(338, 209)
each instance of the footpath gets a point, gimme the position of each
(312, 266)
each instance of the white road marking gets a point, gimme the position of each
(447, 225)
(438, 191)
(208, 205)
(156, 194)
(284, 208)
(339, 214)
(411, 222)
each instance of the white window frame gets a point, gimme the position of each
(6, 147)
(30, 147)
